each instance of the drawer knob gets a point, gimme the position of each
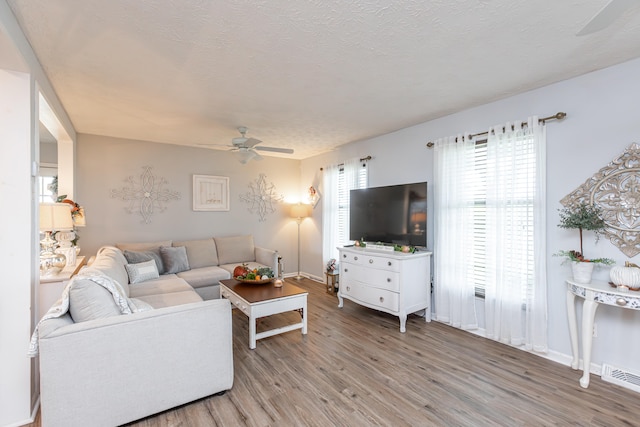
(621, 301)
(348, 288)
(388, 279)
(355, 257)
(346, 269)
(381, 299)
(389, 263)
(344, 255)
(370, 261)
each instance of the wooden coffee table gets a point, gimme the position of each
(257, 301)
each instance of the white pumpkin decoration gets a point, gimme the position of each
(628, 276)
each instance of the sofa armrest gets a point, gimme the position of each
(115, 370)
(268, 257)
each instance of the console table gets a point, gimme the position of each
(594, 293)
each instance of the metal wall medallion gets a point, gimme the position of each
(145, 194)
(262, 197)
(615, 189)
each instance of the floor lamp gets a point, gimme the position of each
(299, 212)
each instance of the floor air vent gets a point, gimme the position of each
(621, 377)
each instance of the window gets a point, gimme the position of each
(343, 200)
(518, 219)
(46, 179)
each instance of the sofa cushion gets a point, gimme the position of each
(205, 276)
(174, 259)
(110, 262)
(135, 257)
(170, 299)
(200, 253)
(144, 247)
(236, 249)
(89, 301)
(142, 271)
(164, 284)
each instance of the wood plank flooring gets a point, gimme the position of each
(354, 368)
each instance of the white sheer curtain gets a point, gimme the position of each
(338, 180)
(516, 288)
(330, 212)
(454, 289)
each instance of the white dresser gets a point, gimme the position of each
(393, 282)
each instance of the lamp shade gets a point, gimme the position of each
(55, 217)
(299, 211)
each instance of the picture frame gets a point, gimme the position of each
(210, 193)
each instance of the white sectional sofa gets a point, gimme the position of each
(100, 367)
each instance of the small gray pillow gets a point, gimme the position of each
(142, 271)
(135, 257)
(174, 259)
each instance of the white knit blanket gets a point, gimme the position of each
(62, 307)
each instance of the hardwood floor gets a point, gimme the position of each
(354, 368)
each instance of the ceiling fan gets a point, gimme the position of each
(607, 15)
(246, 148)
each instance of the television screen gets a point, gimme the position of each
(395, 214)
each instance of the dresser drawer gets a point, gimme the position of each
(383, 279)
(373, 297)
(371, 261)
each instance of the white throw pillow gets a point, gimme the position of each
(142, 271)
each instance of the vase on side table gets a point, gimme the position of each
(582, 271)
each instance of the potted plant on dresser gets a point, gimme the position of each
(582, 217)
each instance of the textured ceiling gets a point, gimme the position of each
(311, 74)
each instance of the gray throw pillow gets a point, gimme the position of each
(174, 259)
(136, 257)
(142, 271)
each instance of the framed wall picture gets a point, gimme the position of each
(210, 193)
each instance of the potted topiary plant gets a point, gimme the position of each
(582, 217)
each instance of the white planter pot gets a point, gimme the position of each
(582, 271)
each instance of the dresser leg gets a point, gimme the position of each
(403, 322)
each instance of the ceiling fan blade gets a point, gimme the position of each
(257, 156)
(276, 150)
(606, 16)
(250, 142)
(213, 145)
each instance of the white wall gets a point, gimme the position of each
(104, 163)
(16, 246)
(602, 121)
(22, 78)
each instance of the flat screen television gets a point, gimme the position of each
(395, 214)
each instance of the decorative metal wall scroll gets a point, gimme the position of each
(615, 189)
(262, 197)
(145, 194)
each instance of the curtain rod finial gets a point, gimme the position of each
(430, 144)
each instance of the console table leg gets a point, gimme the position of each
(588, 316)
(573, 328)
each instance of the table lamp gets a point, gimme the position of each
(53, 217)
(299, 212)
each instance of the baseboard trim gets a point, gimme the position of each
(30, 420)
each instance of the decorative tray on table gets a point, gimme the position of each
(254, 281)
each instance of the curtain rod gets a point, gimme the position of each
(364, 159)
(557, 116)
